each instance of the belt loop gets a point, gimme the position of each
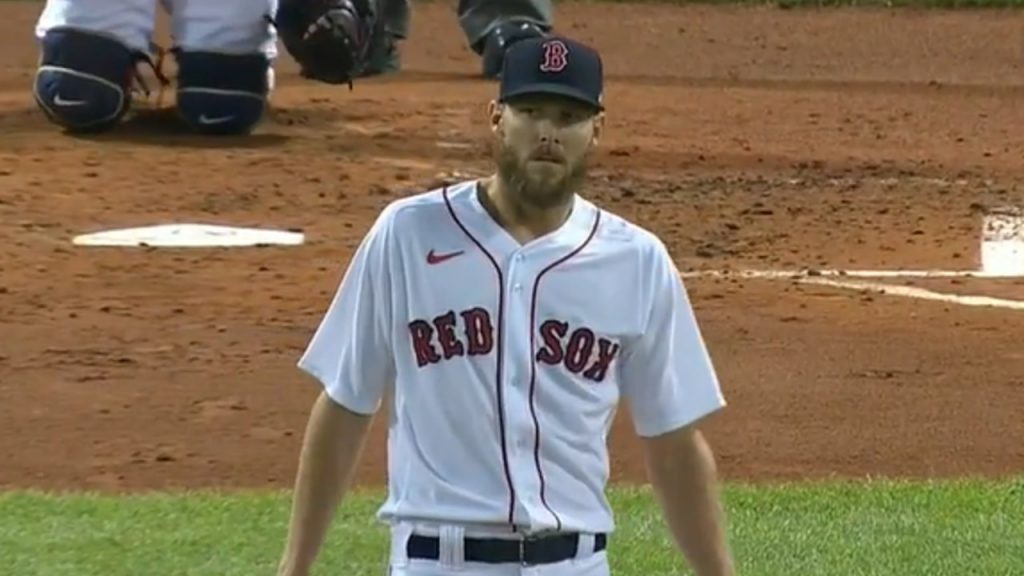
(585, 545)
(400, 534)
(452, 546)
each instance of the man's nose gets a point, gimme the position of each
(547, 131)
(549, 136)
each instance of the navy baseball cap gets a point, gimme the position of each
(553, 65)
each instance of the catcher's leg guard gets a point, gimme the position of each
(84, 80)
(222, 93)
(224, 51)
(499, 39)
(392, 27)
(479, 18)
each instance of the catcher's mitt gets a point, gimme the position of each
(329, 39)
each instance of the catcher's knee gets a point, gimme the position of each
(222, 94)
(84, 79)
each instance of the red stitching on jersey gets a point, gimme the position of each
(533, 360)
(499, 357)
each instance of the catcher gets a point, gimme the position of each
(91, 51)
(335, 40)
(489, 26)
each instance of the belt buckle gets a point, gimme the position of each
(526, 539)
(536, 537)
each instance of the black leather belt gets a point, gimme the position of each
(528, 551)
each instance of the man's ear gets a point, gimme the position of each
(494, 112)
(598, 128)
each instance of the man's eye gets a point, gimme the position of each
(571, 117)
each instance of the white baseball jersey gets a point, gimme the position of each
(507, 361)
(229, 26)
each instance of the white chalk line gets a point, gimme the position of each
(835, 279)
(919, 293)
(797, 274)
(1002, 256)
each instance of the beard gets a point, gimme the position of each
(543, 186)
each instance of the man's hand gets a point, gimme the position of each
(329, 39)
(333, 443)
(682, 470)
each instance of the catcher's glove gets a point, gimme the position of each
(329, 39)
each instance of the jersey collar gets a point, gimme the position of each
(464, 202)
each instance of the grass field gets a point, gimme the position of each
(955, 528)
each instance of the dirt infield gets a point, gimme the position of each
(746, 137)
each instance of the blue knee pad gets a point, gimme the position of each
(222, 94)
(84, 80)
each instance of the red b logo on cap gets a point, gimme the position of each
(555, 56)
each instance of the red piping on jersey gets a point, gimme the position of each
(499, 355)
(533, 360)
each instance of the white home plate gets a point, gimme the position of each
(190, 236)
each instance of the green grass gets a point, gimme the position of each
(933, 529)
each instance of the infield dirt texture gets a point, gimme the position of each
(747, 137)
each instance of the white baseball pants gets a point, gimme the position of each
(232, 26)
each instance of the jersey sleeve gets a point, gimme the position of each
(667, 375)
(350, 353)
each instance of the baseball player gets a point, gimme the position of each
(91, 50)
(504, 318)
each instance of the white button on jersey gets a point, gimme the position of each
(508, 361)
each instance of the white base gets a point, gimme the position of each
(1002, 242)
(190, 236)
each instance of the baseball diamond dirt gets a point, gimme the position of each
(747, 137)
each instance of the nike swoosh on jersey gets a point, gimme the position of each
(434, 258)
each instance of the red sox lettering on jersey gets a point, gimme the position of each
(437, 340)
(506, 361)
(471, 333)
(581, 351)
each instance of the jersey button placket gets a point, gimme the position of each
(517, 371)
(517, 285)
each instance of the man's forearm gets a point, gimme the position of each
(685, 482)
(330, 450)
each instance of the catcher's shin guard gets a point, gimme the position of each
(222, 94)
(83, 83)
